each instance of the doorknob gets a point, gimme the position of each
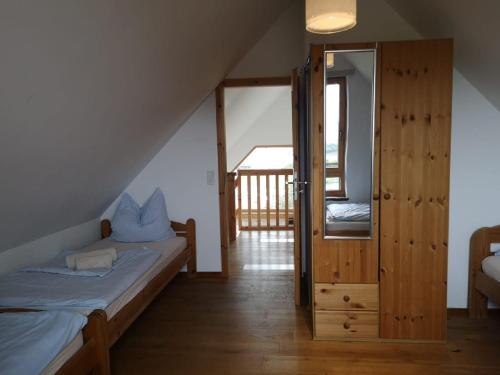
(296, 184)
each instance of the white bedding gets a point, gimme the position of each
(64, 355)
(169, 250)
(491, 267)
(85, 294)
(38, 342)
(348, 226)
(348, 212)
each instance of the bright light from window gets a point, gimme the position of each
(269, 158)
(332, 125)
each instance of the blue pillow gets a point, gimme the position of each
(149, 223)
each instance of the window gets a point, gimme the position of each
(335, 136)
(268, 157)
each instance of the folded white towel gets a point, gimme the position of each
(94, 261)
(71, 259)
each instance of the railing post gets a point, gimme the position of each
(231, 185)
(258, 202)
(249, 200)
(277, 200)
(268, 203)
(239, 201)
(286, 200)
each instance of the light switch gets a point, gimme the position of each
(210, 177)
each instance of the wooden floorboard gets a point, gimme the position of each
(249, 324)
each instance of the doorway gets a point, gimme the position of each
(262, 203)
(255, 120)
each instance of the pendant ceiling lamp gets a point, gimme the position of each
(330, 16)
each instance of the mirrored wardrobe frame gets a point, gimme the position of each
(351, 262)
(341, 49)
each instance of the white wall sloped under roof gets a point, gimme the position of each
(92, 89)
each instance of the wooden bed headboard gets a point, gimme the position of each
(187, 230)
(480, 244)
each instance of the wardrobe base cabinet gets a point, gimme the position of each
(346, 311)
(346, 296)
(346, 324)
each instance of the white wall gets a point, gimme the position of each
(273, 126)
(180, 170)
(475, 179)
(42, 249)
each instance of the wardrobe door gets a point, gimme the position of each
(416, 83)
(339, 259)
(345, 179)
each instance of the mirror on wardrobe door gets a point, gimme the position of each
(349, 125)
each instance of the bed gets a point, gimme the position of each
(344, 219)
(124, 296)
(52, 342)
(484, 273)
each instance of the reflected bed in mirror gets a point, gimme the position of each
(348, 143)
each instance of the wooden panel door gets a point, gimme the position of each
(342, 260)
(416, 79)
(297, 251)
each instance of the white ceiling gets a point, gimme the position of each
(475, 27)
(92, 89)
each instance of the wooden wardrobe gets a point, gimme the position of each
(392, 285)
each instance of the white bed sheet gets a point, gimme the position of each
(64, 355)
(31, 341)
(49, 291)
(169, 250)
(345, 225)
(36, 286)
(491, 267)
(347, 212)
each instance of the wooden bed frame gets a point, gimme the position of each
(119, 323)
(101, 333)
(93, 356)
(482, 287)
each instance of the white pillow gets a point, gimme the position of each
(149, 223)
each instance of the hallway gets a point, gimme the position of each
(262, 252)
(249, 324)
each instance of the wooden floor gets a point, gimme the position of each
(249, 325)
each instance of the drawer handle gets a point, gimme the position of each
(347, 325)
(347, 298)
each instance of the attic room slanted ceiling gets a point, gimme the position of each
(476, 32)
(91, 90)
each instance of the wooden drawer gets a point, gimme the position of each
(346, 297)
(346, 324)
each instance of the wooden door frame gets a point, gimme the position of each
(297, 214)
(222, 152)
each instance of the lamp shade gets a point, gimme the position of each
(330, 16)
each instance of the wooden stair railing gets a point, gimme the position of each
(276, 212)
